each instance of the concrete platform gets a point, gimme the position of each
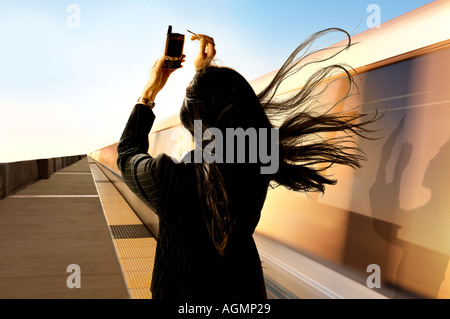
(50, 225)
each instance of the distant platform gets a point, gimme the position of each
(76, 217)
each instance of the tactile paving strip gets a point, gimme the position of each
(137, 264)
(138, 279)
(134, 252)
(136, 257)
(140, 293)
(129, 231)
(135, 247)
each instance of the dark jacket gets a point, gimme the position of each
(187, 264)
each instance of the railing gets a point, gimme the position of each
(15, 176)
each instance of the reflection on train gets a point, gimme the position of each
(393, 213)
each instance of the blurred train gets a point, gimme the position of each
(384, 230)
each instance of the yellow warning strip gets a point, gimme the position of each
(136, 255)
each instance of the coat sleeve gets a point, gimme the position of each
(141, 172)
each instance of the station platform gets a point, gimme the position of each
(73, 236)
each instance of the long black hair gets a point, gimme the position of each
(220, 97)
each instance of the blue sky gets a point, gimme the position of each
(70, 90)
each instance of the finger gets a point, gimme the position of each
(206, 37)
(203, 36)
(202, 46)
(210, 40)
(211, 53)
(159, 62)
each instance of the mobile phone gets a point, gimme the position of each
(174, 49)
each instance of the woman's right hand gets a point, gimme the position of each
(158, 78)
(206, 53)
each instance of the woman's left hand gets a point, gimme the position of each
(207, 51)
(158, 78)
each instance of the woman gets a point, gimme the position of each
(208, 211)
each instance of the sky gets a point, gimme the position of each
(71, 71)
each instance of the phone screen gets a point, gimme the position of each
(175, 45)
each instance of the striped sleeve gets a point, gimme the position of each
(141, 172)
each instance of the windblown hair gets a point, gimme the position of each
(312, 135)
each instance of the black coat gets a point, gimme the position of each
(187, 264)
